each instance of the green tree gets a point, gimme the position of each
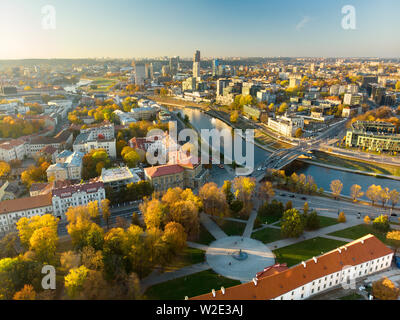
(291, 224)
(381, 223)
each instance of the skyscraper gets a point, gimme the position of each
(173, 65)
(140, 73)
(196, 64)
(215, 67)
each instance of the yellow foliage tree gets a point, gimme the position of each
(385, 289)
(342, 217)
(26, 293)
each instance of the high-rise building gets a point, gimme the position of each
(215, 67)
(173, 65)
(140, 74)
(196, 64)
(221, 84)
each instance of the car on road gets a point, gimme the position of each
(304, 198)
(283, 195)
(292, 196)
(393, 215)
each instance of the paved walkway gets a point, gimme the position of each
(221, 257)
(197, 245)
(212, 227)
(156, 278)
(336, 238)
(250, 224)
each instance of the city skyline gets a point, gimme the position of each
(128, 29)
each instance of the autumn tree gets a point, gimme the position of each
(227, 190)
(130, 156)
(355, 192)
(342, 217)
(394, 197)
(266, 191)
(39, 234)
(381, 223)
(26, 293)
(5, 169)
(244, 188)
(213, 199)
(292, 224)
(373, 193)
(81, 228)
(75, 280)
(384, 195)
(394, 238)
(174, 237)
(298, 133)
(105, 210)
(43, 243)
(385, 289)
(367, 220)
(154, 213)
(234, 116)
(336, 188)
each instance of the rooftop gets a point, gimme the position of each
(357, 252)
(22, 204)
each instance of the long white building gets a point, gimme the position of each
(333, 269)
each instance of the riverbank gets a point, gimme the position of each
(317, 163)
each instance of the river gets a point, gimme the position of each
(322, 176)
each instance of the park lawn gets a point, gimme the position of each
(302, 251)
(350, 163)
(188, 257)
(191, 286)
(231, 228)
(205, 237)
(353, 296)
(360, 231)
(327, 221)
(267, 235)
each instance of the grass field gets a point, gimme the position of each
(267, 235)
(205, 237)
(353, 296)
(350, 163)
(231, 228)
(191, 286)
(359, 231)
(302, 251)
(188, 257)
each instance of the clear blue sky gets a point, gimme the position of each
(133, 28)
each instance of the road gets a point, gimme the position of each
(331, 207)
(122, 212)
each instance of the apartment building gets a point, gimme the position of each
(76, 195)
(68, 166)
(13, 150)
(13, 210)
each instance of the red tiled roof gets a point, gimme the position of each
(8, 145)
(48, 149)
(276, 268)
(163, 170)
(66, 192)
(354, 253)
(21, 204)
